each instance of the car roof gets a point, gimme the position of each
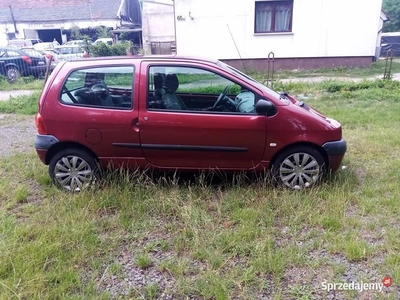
(153, 58)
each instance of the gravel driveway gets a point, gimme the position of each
(17, 133)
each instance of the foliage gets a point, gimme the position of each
(392, 9)
(25, 104)
(23, 83)
(77, 35)
(103, 49)
(102, 32)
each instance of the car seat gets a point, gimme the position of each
(170, 99)
(158, 86)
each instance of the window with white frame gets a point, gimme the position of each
(273, 16)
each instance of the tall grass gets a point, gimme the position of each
(23, 104)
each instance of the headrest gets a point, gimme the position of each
(158, 80)
(171, 83)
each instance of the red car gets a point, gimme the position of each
(177, 113)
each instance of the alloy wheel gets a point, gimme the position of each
(299, 170)
(73, 173)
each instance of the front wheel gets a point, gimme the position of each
(73, 169)
(298, 167)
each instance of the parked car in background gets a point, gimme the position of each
(176, 113)
(81, 43)
(108, 41)
(19, 62)
(68, 52)
(390, 44)
(24, 42)
(44, 46)
(51, 56)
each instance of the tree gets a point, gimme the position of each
(392, 9)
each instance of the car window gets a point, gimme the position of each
(102, 87)
(196, 90)
(12, 53)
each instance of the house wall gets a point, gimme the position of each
(157, 23)
(324, 28)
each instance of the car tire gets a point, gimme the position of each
(13, 74)
(298, 168)
(73, 169)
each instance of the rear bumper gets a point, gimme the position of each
(335, 151)
(43, 143)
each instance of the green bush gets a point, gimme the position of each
(103, 49)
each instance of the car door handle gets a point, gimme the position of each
(136, 124)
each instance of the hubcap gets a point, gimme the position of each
(73, 173)
(12, 75)
(299, 170)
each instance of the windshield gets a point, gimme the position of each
(246, 77)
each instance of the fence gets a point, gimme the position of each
(163, 48)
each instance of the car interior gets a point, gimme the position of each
(95, 92)
(164, 94)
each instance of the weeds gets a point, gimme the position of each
(26, 104)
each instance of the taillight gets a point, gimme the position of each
(27, 59)
(41, 128)
(49, 56)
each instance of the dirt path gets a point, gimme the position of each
(17, 134)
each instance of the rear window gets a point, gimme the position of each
(102, 87)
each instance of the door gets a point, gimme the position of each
(200, 118)
(98, 108)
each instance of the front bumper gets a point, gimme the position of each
(335, 148)
(335, 151)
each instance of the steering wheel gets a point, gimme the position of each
(222, 96)
(100, 88)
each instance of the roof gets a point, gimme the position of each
(57, 10)
(172, 57)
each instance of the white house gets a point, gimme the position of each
(300, 33)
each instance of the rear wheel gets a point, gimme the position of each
(13, 74)
(298, 167)
(73, 169)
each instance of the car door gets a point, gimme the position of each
(102, 113)
(187, 132)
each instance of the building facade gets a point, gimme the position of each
(298, 33)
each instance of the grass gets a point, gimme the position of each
(227, 239)
(24, 104)
(23, 83)
(377, 68)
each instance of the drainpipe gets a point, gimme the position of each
(176, 44)
(13, 19)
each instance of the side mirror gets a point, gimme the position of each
(265, 107)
